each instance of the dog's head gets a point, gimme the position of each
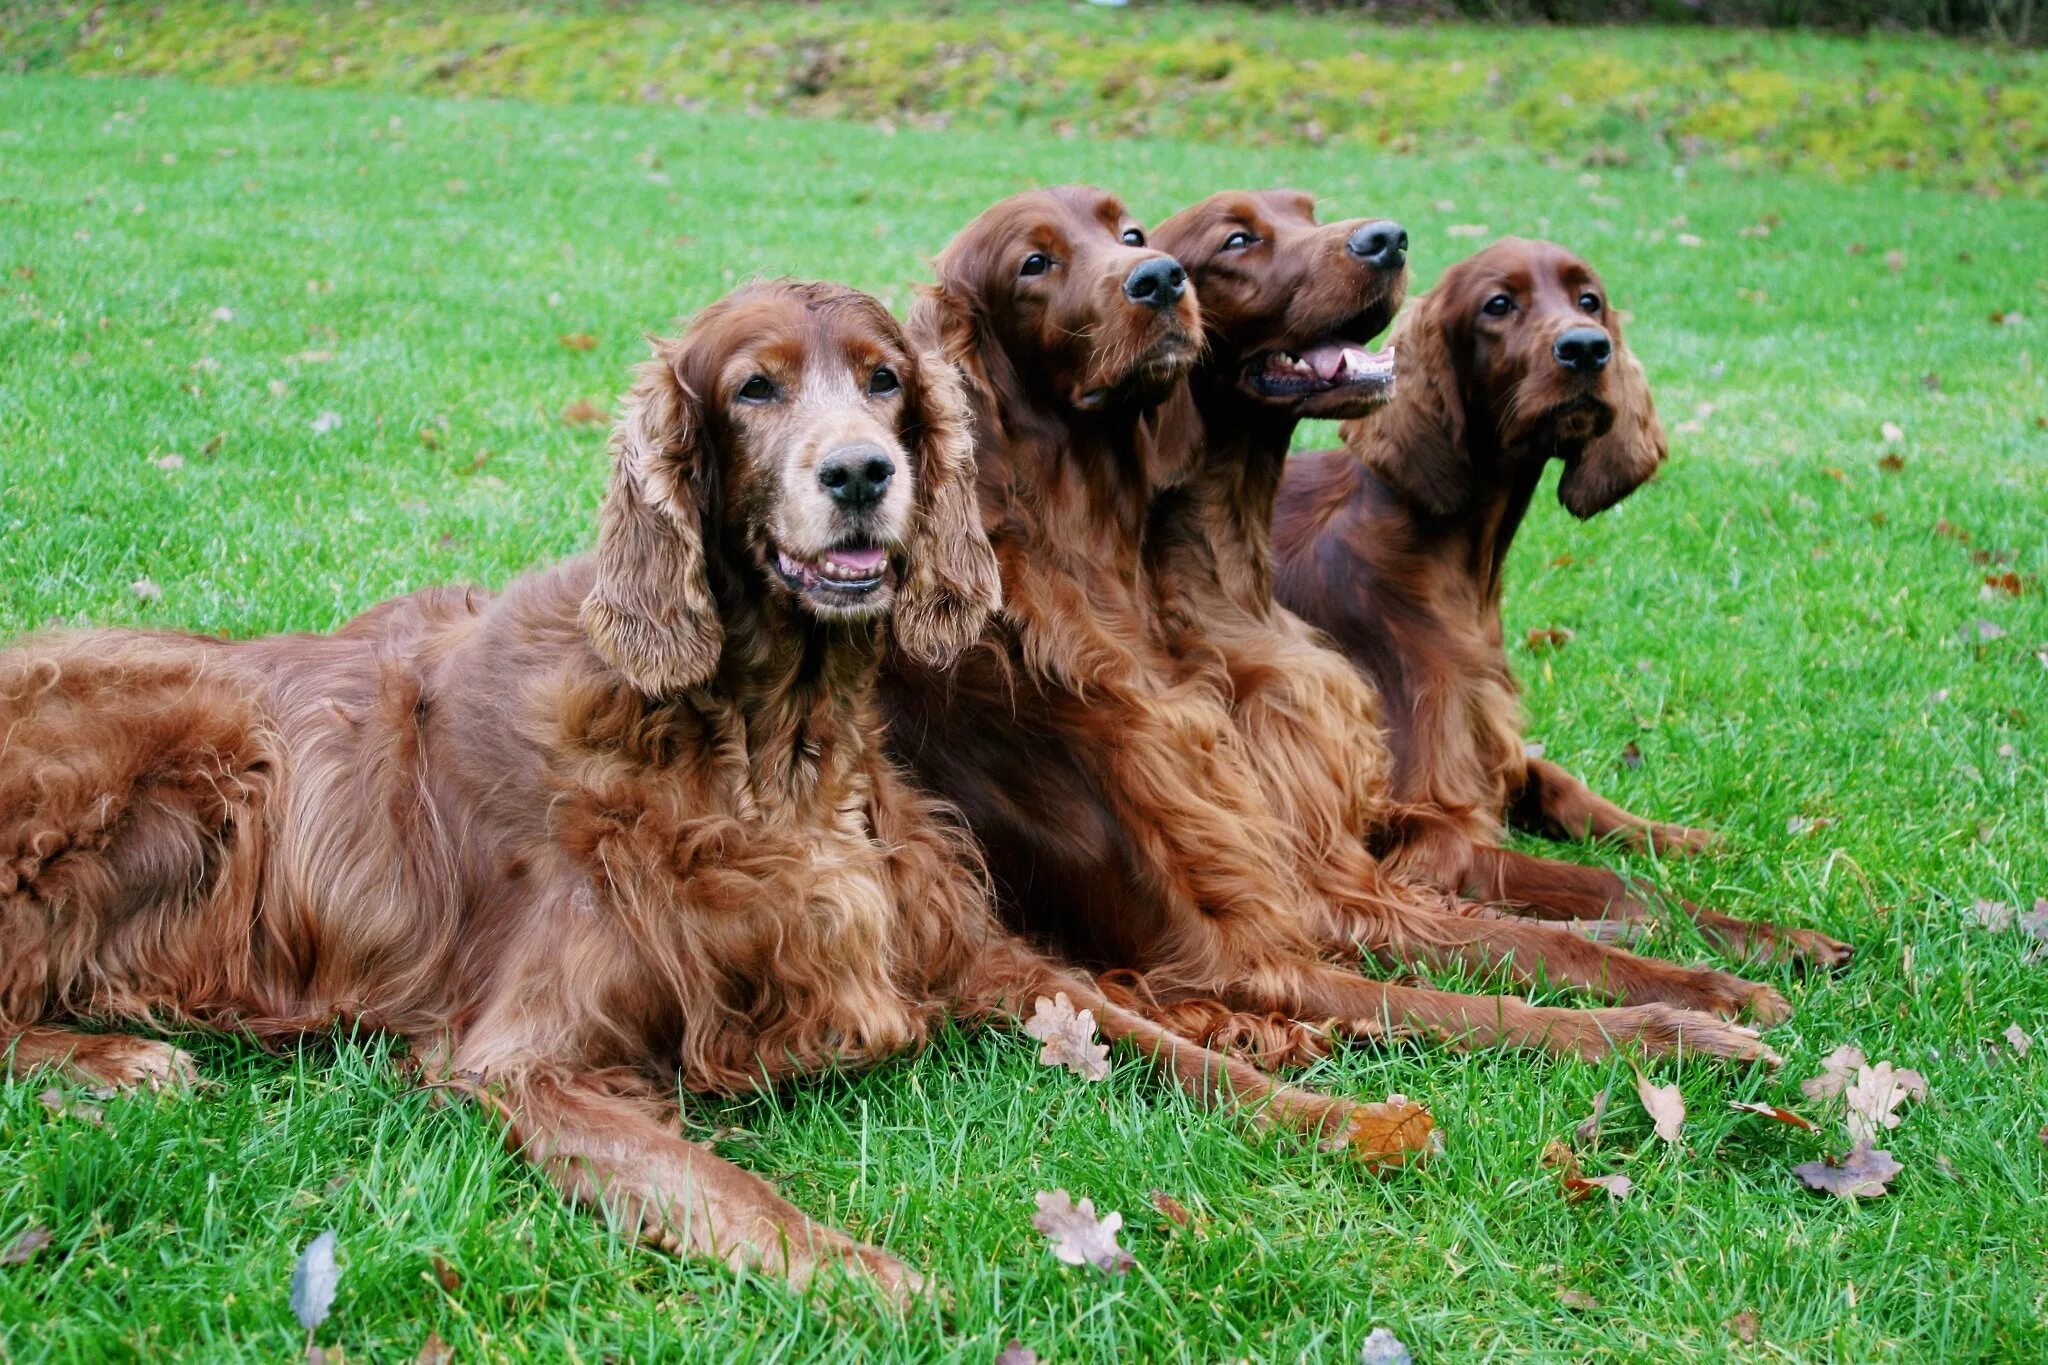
(1522, 343)
(1054, 293)
(1290, 305)
(793, 438)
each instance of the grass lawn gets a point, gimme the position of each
(342, 313)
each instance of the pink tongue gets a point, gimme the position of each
(1327, 361)
(859, 561)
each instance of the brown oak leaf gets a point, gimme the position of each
(1077, 1236)
(1875, 1094)
(1771, 1111)
(1069, 1038)
(1835, 1071)
(1862, 1173)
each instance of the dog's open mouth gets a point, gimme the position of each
(1326, 367)
(847, 574)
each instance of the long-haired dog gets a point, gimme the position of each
(1396, 545)
(623, 827)
(1122, 816)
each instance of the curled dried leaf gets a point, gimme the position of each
(1771, 1111)
(1172, 1209)
(1382, 1347)
(1664, 1105)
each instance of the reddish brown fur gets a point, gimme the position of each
(622, 827)
(1273, 279)
(1395, 545)
(1120, 810)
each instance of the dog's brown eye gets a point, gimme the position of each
(1037, 263)
(758, 389)
(1133, 237)
(1590, 302)
(1236, 241)
(883, 381)
(1499, 306)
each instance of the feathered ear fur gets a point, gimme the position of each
(1417, 443)
(651, 613)
(1611, 467)
(953, 583)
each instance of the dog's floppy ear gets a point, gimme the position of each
(953, 583)
(651, 613)
(1417, 442)
(1612, 466)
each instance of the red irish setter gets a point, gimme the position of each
(1291, 305)
(1395, 545)
(626, 825)
(1120, 809)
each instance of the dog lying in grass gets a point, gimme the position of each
(1395, 546)
(623, 827)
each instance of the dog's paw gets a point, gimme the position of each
(125, 1063)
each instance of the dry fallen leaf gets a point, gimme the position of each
(1175, 1211)
(446, 1275)
(326, 422)
(169, 462)
(1578, 1187)
(1771, 1111)
(1993, 915)
(1077, 1236)
(2016, 1038)
(18, 1251)
(1382, 1347)
(578, 341)
(146, 591)
(1631, 755)
(1665, 1106)
(434, 1351)
(1589, 1127)
(1548, 637)
(55, 1101)
(1744, 1325)
(1390, 1133)
(1069, 1038)
(1873, 1096)
(1893, 463)
(584, 413)
(2034, 924)
(1987, 631)
(1579, 1299)
(1835, 1070)
(314, 1280)
(1016, 1353)
(1863, 1172)
(1892, 432)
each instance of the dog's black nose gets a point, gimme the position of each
(857, 476)
(1583, 350)
(1383, 243)
(1159, 282)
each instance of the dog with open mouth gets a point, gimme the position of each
(1396, 544)
(1293, 306)
(622, 830)
(1108, 783)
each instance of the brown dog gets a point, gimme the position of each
(1120, 810)
(623, 826)
(1395, 546)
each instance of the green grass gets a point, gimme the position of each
(1901, 108)
(1777, 641)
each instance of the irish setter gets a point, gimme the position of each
(1395, 546)
(626, 825)
(1119, 807)
(1291, 305)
